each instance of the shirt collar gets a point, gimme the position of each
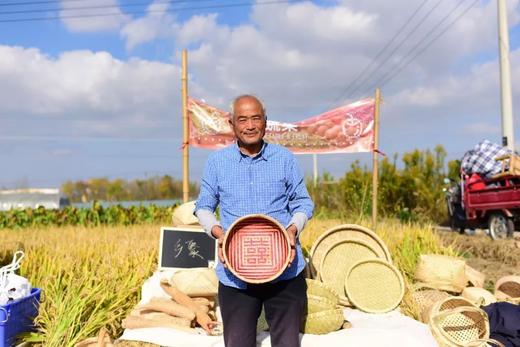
(261, 155)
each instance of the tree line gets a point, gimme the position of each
(409, 191)
(154, 188)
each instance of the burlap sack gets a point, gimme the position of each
(441, 272)
(183, 214)
(196, 281)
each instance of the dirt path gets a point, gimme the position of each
(493, 258)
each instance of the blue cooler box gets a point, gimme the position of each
(17, 317)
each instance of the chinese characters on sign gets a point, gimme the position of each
(190, 247)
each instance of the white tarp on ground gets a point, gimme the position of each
(388, 329)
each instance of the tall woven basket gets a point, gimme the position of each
(425, 298)
(456, 322)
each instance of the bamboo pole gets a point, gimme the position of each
(315, 169)
(185, 129)
(375, 159)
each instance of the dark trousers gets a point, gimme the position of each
(284, 303)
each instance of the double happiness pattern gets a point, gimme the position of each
(257, 250)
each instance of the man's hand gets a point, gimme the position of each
(218, 233)
(291, 230)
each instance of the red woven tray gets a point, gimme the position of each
(256, 248)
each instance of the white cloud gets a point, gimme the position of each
(82, 93)
(98, 15)
(298, 58)
(157, 23)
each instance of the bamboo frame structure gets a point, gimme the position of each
(185, 129)
(375, 162)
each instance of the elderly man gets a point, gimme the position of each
(253, 176)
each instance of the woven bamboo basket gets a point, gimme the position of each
(196, 281)
(425, 298)
(339, 258)
(256, 248)
(484, 343)
(374, 286)
(102, 340)
(344, 232)
(317, 288)
(323, 322)
(441, 272)
(478, 296)
(507, 288)
(318, 304)
(456, 322)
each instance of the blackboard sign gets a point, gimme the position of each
(186, 247)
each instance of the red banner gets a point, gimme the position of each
(346, 129)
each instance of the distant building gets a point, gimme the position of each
(33, 197)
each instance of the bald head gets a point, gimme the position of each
(247, 98)
(248, 123)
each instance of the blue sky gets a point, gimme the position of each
(100, 96)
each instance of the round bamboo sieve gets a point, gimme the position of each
(256, 248)
(339, 258)
(374, 286)
(344, 232)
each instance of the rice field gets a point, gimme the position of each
(91, 277)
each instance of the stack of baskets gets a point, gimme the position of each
(356, 264)
(323, 314)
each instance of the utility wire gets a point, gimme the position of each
(399, 45)
(138, 4)
(240, 4)
(385, 79)
(373, 61)
(37, 2)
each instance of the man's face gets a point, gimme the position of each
(248, 121)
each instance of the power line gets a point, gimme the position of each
(37, 2)
(372, 62)
(242, 4)
(399, 45)
(138, 4)
(386, 79)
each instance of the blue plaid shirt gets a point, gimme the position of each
(270, 183)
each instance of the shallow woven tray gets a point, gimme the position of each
(256, 248)
(339, 258)
(374, 286)
(344, 232)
